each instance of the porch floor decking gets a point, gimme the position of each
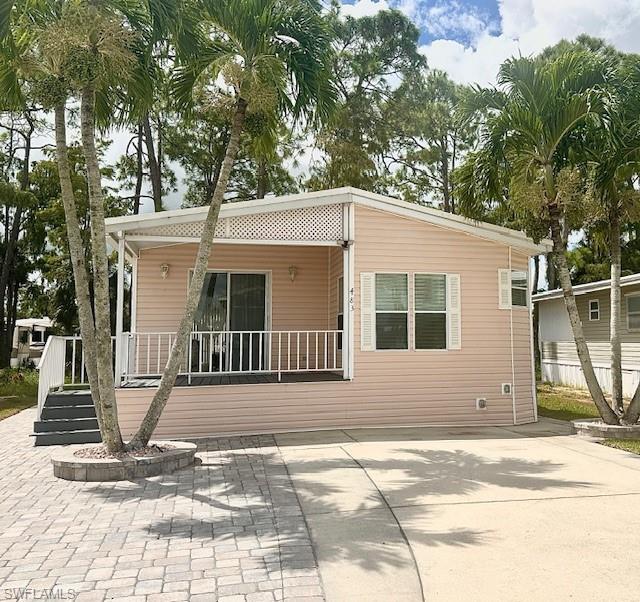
(238, 379)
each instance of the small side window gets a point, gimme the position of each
(633, 312)
(594, 310)
(518, 288)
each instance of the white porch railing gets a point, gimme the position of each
(235, 352)
(208, 353)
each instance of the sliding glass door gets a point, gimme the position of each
(234, 303)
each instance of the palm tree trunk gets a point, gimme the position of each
(154, 168)
(150, 421)
(607, 414)
(261, 178)
(139, 173)
(111, 436)
(616, 346)
(79, 266)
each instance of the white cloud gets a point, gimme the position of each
(527, 26)
(451, 18)
(364, 8)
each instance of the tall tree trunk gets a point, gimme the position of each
(154, 167)
(614, 334)
(111, 436)
(552, 275)
(11, 242)
(262, 179)
(139, 172)
(183, 335)
(444, 175)
(607, 414)
(536, 311)
(77, 256)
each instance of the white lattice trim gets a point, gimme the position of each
(310, 223)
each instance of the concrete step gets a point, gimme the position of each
(67, 438)
(65, 425)
(68, 398)
(68, 412)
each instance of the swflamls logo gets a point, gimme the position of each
(29, 593)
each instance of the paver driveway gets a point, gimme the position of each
(524, 513)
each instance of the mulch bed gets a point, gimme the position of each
(99, 452)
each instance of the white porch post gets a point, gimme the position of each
(119, 310)
(347, 291)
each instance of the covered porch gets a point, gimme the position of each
(272, 308)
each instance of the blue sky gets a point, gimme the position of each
(470, 38)
(486, 11)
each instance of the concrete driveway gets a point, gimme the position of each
(519, 513)
(524, 513)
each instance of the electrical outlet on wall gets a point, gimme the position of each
(506, 388)
(481, 403)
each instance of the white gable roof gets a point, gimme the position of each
(499, 234)
(590, 287)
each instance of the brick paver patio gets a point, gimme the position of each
(229, 529)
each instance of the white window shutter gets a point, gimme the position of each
(454, 315)
(504, 289)
(367, 311)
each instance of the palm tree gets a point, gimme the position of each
(612, 154)
(274, 58)
(66, 47)
(529, 122)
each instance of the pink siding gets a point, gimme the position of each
(389, 387)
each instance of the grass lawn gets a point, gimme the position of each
(18, 390)
(565, 403)
(625, 444)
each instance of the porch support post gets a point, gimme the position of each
(348, 283)
(119, 309)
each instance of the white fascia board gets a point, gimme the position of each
(511, 238)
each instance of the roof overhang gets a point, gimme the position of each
(138, 230)
(590, 287)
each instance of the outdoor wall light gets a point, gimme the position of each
(164, 270)
(293, 272)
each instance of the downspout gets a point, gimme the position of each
(513, 365)
(534, 391)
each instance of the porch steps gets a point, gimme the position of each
(67, 417)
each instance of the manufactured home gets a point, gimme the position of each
(322, 310)
(559, 359)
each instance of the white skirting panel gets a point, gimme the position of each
(571, 375)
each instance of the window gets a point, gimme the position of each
(430, 306)
(513, 289)
(340, 309)
(594, 310)
(518, 288)
(633, 312)
(391, 311)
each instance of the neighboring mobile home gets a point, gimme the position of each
(331, 309)
(559, 359)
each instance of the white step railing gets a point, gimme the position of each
(61, 363)
(50, 368)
